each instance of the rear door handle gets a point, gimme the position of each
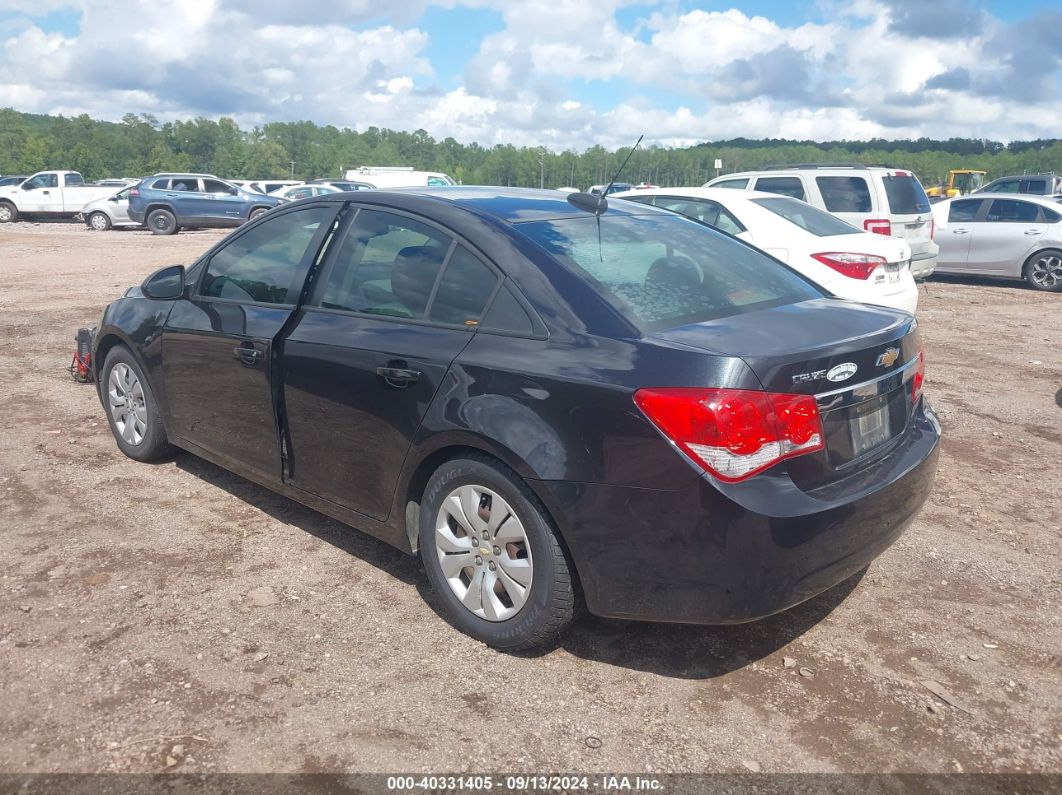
(960, 231)
(246, 355)
(1033, 232)
(398, 376)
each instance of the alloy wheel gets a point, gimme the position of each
(1046, 271)
(484, 553)
(126, 398)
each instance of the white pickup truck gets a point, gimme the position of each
(55, 194)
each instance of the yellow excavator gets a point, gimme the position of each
(960, 182)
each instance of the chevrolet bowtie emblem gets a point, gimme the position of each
(888, 357)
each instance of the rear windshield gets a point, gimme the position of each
(810, 219)
(905, 193)
(666, 271)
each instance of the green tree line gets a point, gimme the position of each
(140, 145)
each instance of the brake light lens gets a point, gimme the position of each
(734, 433)
(919, 376)
(932, 228)
(134, 191)
(854, 266)
(878, 226)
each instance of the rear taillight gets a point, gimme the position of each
(854, 266)
(878, 226)
(932, 228)
(919, 377)
(134, 191)
(734, 433)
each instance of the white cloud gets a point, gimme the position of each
(681, 76)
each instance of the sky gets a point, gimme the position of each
(563, 74)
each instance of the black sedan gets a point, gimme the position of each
(546, 398)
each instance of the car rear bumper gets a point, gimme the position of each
(922, 265)
(135, 216)
(708, 554)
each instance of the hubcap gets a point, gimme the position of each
(484, 552)
(1047, 271)
(99, 222)
(5, 213)
(126, 398)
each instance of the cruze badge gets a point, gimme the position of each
(842, 371)
(888, 357)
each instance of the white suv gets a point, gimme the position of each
(886, 201)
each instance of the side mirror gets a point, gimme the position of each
(165, 284)
(26, 186)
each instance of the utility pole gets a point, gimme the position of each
(542, 168)
(293, 169)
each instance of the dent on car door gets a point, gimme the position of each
(397, 301)
(218, 344)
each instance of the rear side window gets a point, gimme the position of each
(739, 184)
(784, 186)
(667, 271)
(963, 211)
(260, 265)
(845, 194)
(506, 314)
(466, 286)
(810, 219)
(1013, 211)
(905, 194)
(1038, 186)
(75, 179)
(387, 265)
(187, 184)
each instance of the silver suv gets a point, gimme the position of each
(1034, 184)
(879, 199)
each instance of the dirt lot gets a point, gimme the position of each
(178, 611)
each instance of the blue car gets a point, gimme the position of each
(166, 202)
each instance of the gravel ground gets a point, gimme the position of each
(176, 617)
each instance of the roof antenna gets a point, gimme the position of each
(597, 203)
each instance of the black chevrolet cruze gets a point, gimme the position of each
(546, 398)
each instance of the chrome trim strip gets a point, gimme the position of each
(854, 387)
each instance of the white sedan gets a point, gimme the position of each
(845, 260)
(304, 191)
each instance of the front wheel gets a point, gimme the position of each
(98, 221)
(162, 222)
(132, 411)
(494, 562)
(1043, 271)
(8, 213)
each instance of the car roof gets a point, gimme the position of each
(715, 194)
(512, 205)
(1035, 198)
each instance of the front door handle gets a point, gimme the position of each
(398, 376)
(1033, 232)
(247, 356)
(960, 231)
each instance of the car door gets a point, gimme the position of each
(222, 201)
(1004, 235)
(955, 234)
(397, 301)
(218, 349)
(41, 194)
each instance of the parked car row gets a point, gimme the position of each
(548, 398)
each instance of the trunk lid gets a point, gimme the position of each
(856, 359)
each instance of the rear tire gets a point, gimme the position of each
(98, 222)
(132, 411)
(1043, 271)
(257, 212)
(162, 222)
(515, 591)
(8, 213)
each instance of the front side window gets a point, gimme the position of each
(810, 219)
(784, 186)
(845, 194)
(738, 184)
(1050, 216)
(707, 212)
(666, 271)
(963, 211)
(1012, 211)
(1004, 186)
(41, 181)
(260, 265)
(218, 187)
(387, 265)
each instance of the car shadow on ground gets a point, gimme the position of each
(373, 551)
(972, 279)
(671, 650)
